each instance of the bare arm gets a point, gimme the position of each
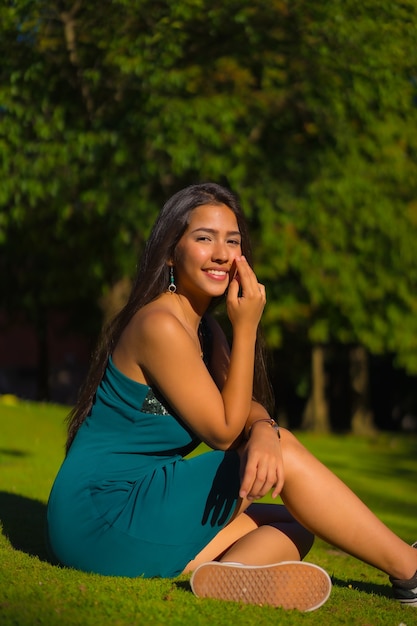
(261, 456)
(169, 359)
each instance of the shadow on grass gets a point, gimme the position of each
(14, 453)
(23, 521)
(359, 585)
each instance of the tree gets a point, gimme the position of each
(307, 110)
(70, 202)
(104, 114)
(340, 249)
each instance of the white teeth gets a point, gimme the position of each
(217, 272)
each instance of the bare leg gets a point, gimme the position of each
(321, 503)
(265, 533)
(329, 509)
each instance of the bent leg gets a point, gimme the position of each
(263, 534)
(329, 509)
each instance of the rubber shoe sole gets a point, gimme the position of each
(289, 585)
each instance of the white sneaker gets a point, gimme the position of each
(289, 585)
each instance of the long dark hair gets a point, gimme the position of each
(152, 280)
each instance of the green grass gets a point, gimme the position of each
(382, 470)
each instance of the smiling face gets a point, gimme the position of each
(205, 253)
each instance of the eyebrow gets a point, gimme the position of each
(213, 231)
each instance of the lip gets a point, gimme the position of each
(217, 274)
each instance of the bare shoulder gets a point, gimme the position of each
(151, 342)
(155, 322)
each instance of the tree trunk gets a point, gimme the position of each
(316, 415)
(115, 299)
(362, 417)
(69, 22)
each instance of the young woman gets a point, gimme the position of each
(127, 502)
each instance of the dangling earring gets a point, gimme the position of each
(172, 288)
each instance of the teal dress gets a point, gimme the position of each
(125, 501)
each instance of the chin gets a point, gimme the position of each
(219, 293)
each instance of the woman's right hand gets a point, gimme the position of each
(245, 310)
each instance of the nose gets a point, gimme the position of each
(220, 252)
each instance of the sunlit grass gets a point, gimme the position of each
(382, 470)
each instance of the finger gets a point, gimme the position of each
(279, 483)
(233, 271)
(248, 479)
(268, 477)
(233, 290)
(262, 486)
(262, 290)
(246, 275)
(262, 482)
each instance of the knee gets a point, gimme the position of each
(287, 438)
(293, 452)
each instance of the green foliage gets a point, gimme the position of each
(339, 250)
(70, 199)
(307, 110)
(34, 591)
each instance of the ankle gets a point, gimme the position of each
(405, 578)
(406, 570)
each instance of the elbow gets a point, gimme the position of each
(219, 446)
(224, 443)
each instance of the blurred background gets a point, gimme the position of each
(307, 109)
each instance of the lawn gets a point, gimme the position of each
(382, 471)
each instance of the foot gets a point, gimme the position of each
(405, 591)
(289, 585)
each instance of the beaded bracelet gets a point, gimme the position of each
(270, 421)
